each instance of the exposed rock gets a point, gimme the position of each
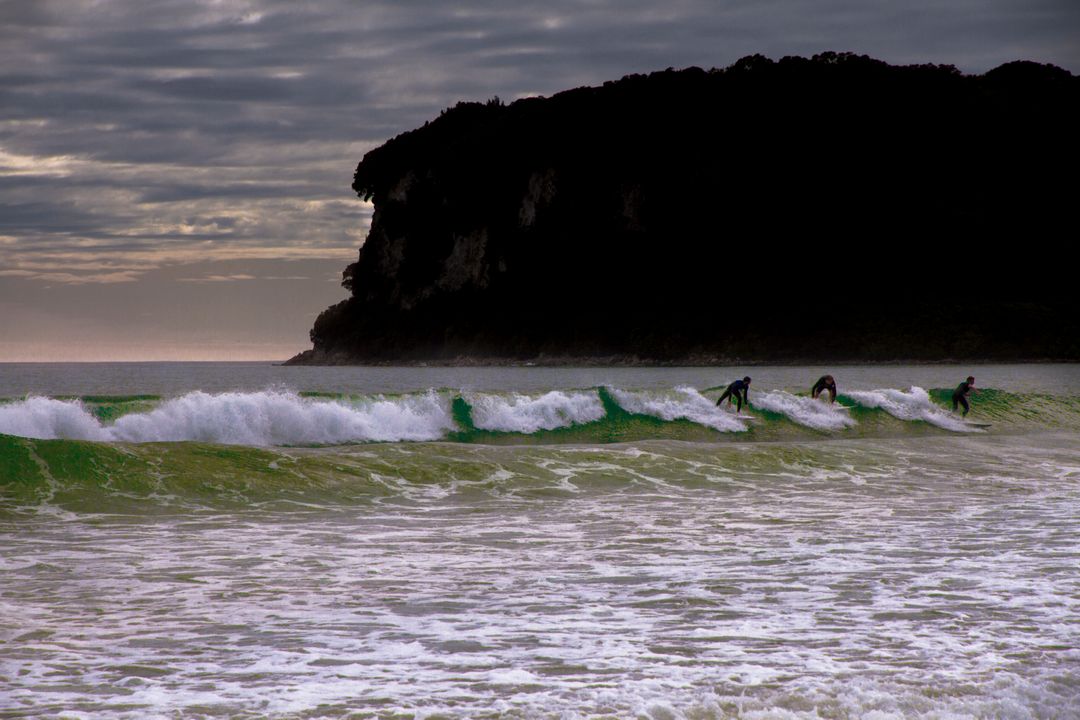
(835, 208)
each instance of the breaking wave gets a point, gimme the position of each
(914, 404)
(684, 404)
(806, 411)
(528, 413)
(260, 418)
(287, 418)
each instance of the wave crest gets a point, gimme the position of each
(685, 403)
(804, 411)
(529, 413)
(259, 418)
(915, 404)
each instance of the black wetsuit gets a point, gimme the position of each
(824, 383)
(739, 390)
(959, 396)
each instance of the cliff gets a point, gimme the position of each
(833, 208)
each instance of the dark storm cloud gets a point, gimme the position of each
(224, 89)
(19, 79)
(142, 134)
(175, 192)
(18, 15)
(45, 218)
(247, 83)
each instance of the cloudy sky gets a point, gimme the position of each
(174, 174)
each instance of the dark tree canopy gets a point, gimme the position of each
(832, 208)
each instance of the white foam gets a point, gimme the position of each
(804, 411)
(255, 418)
(530, 413)
(775, 593)
(684, 403)
(914, 404)
(515, 676)
(49, 419)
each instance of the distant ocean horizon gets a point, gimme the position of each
(246, 539)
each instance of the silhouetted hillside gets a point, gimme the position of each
(831, 208)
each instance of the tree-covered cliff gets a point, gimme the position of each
(829, 208)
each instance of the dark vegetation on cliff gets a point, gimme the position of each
(829, 208)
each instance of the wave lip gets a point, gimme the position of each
(50, 419)
(253, 418)
(804, 411)
(278, 416)
(531, 413)
(284, 418)
(915, 404)
(685, 403)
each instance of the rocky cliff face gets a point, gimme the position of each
(830, 208)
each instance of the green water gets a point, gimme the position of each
(575, 548)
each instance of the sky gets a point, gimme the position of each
(174, 174)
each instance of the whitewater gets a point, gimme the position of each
(229, 540)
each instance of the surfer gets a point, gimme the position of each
(738, 391)
(825, 382)
(959, 396)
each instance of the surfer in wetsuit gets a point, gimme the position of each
(959, 396)
(737, 391)
(825, 382)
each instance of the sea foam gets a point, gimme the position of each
(685, 403)
(804, 411)
(50, 419)
(915, 404)
(530, 413)
(253, 418)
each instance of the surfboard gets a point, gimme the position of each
(742, 416)
(977, 424)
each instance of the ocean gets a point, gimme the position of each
(245, 540)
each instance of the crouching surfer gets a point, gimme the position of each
(738, 391)
(825, 382)
(959, 396)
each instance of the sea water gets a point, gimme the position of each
(249, 541)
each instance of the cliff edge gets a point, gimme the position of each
(832, 208)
